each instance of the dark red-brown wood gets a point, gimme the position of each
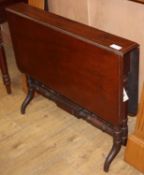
(3, 62)
(74, 65)
(3, 5)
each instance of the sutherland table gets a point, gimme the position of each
(88, 72)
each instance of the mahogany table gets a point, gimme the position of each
(3, 62)
(88, 72)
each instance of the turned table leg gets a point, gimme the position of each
(4, 68)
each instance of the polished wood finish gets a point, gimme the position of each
(134, 153)
(74, 65)
(3, 62)
(42, 5)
